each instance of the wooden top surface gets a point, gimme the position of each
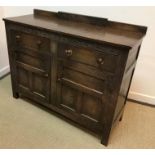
(92, 28)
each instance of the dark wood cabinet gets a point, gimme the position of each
(79, 66)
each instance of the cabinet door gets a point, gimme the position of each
(81, 96)
(80, 90)
(31, 58)
(33, 76)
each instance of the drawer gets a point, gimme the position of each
(33, 59)
(30, 41)
(101, 60)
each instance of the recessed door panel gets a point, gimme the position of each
(40, 85)
(91, 107)
(69, 97)
(23, 77)
(79, 102)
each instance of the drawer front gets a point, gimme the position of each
(100, 60)
(30, 41)
(33, 59)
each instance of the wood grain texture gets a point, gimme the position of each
(112, 33)
(58, 61)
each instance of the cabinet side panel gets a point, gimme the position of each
(126, 82)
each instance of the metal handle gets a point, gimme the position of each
(68, 52)
(100, 61)
(18, 37)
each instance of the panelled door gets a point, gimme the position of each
(81, 83)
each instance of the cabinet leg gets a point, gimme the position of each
(105, 137)
(120, 119)
(15, 95)
(104, 141)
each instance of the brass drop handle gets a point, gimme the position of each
(69, 52)
(18, 37)
(100, 61)
(39, 42)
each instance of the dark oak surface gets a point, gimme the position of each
(78, 66)
(110, 32)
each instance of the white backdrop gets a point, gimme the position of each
(143, 85)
